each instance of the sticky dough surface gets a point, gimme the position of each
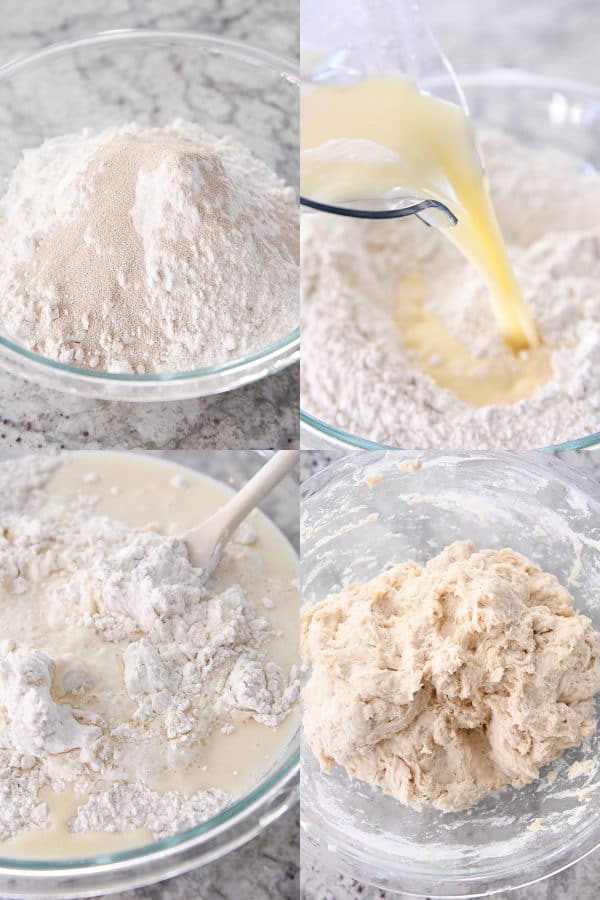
(445, 682)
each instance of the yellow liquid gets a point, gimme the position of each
(478, 382)
(378, 136)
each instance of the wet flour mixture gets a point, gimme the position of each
(133, 697)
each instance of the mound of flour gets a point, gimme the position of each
(358, 375)
(178, 662)
(147, 250)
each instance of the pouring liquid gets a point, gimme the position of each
(379, 137)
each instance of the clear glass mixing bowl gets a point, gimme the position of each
(531, 502)
(276, 793)
(538, 111)
(151, 77)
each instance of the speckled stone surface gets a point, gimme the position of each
(265, 869)
(261, 415)
(319, 881)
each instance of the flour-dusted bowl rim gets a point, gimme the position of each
(275, 794)
(318, 435)
(280, 90)
(315, 432)
(493, 498)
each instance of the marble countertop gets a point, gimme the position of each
(265, 869)
(260, 415)
(320, 882)
(549, 37)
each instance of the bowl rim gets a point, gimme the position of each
(277, 355)
(164, 848)
(496, 878)
(280, 787)
(312, 425)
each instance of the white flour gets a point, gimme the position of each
(358, 376)
(123, 807)
(144, 250)
(177, 663)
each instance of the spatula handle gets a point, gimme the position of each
(236, 509)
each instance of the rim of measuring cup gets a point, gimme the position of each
(179, 385)
(413, 209)
(317, 434)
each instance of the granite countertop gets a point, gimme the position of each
(265, 869)
(320, 882)
(260, 415)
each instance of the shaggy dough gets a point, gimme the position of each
(443, 683)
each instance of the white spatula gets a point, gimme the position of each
(206, 542)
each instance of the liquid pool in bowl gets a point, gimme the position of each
(351, 530)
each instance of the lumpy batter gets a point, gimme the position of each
(135, 700)
(444, 682)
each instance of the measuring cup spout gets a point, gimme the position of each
(431, 212)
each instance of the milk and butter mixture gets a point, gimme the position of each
(380, 135)
(135, 700)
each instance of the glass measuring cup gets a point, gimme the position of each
(348, 40)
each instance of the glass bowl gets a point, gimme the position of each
(532, 503)
(153, 77)
(275, 794)
(546, 112)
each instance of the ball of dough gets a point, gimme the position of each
(445, 682)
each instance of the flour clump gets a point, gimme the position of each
(36, 724)
(120, 663)
(124, 807)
